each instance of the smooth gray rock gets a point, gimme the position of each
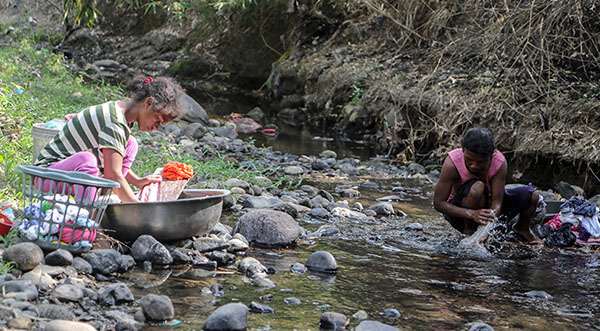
(318, 212)
(390, 313)
(322, 261)
(157, 307)
(328, 154)
(415, 168)
(220, 229)
(263, 181)
(349, 169)
(19, 323)
(67, 293)
(54, 312)
(260, 308)
(82, 266)
(222, 258)
(360, 315)
(251, 267)
(19, 289)
(237, 245)
(319, 164)
(41, 280)
(248, 201)
(293, 170)
(383, 208)
(292, 301)
(414, 227)
(269, 228)
(374, 326)
(114, 294)
(146, 248)
(209, 244)
(256, 114)
(103, 261)
(26, 255)
(194, 111)
(64, 325)
(319, 202)
(333, 321)
(127, 262)
(194, 131)
(232, 316)
(326, 195)
(226, 131)
(479, 326)
(298, 268)
(234, 182)
(60, 257)
(263, 282)
(347, 192)
(538, 295)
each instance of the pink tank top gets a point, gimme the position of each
(458, 158)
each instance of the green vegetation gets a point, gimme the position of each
(85, 12)
(36, 85)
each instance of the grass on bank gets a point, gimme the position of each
(37, 85)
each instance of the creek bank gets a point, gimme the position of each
(101, 282)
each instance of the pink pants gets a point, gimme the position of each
(87, 162)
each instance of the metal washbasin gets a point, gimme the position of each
(195, 212)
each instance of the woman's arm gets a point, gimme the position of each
(113, 164)
(134, 179)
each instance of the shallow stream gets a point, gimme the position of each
(421, 273)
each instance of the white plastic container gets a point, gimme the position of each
(41, 136)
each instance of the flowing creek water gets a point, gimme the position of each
(421, 273)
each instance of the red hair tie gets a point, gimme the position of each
(148, 80)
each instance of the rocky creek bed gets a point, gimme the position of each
(356, 245)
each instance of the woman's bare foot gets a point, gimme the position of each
(525, 232)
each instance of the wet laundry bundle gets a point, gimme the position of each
(177, 171)
(58, 218)
(175, 176)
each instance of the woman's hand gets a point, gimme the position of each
(483, 216)
(68, 117)
(148, 180)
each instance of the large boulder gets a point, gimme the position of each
(268, 228)
(194, 111)
(157, 307)
(103, 261)
(146, 248)
(232, 316)
(26, 255)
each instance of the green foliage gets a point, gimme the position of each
(6, 267)
(36, 86)
(9, 239)
(288, 183)
(357, 93)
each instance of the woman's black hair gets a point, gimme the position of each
(479, 141)
(165, 92)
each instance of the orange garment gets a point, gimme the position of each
(177, 171)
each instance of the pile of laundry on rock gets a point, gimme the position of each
(58, 218)
(576, 223)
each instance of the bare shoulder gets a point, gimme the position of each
(449, 171)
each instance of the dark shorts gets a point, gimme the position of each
(515, 201)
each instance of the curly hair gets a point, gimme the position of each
(164, 91)
(479, 141)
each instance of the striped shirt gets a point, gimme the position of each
(97, 127)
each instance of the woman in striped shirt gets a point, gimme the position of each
(99, 137)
